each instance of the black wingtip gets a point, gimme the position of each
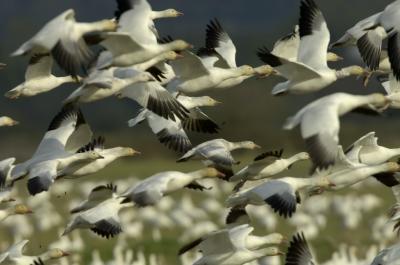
(38, 185)
(95, 143)
(265, 55)
(282, 207)
(320, 157)
(189, 246)
(388, 179)
(276, 153)
(394, 54)
(177, 143)
(370, 54)
(234, 214)
(308, 11)
(298, 251)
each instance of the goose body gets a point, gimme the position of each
(38, 78)
(217, 153)
(194, 74)
(281, 194)
(64, 38)
(173, 133)
(15, 256)
(99, 213)
(367, 150)
(310, 72)
(230, 246)
(319, 123)
(267, 165)
(18, 209)
(151, 190)
(218, 240)
(392, 89)
(103, 84)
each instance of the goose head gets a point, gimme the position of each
(264, 71)
(246, 70)
(248, 145)
(273, 251)
(126, 151)
(106, 25)
(179, 45)
(7, 121)
(276, 238)
(171, 55)
(57, 253)
(211, 172)
(320, 185)
(94, 155)
(379, 100)
(303, 156)
(207, 101)
(333, 57)
(21, 209)
(171, 13)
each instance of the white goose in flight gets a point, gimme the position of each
(319, 122)
(232, 247)
(99, 213)
(173, 133)
(152, 189)
(217, 153)
(310, 72)
(14, 255)
(38, 78)
(219, 43)
(69, 50)
(136, 39)
(67, 132)
(267, 165)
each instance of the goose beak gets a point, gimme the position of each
(256, 146)
(180, 13)
(331, 184)
(221, 175)
(2, 65)
(29, 211)
(179, 55)
(65, 254)
(281, 253)
(285, 241)
(133, 152)
(101, 157)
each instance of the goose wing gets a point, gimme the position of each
(189, 67)
(299, 252)
(96, 196)
(219, 40)
(119, 43)
(291, 70)
(40, 66)
(319, 128)
(16, 250)
(288, 46)
(42, 176)
(5, 169)
(314, 36)
(156, 98)
(238, 236)
(198, 121)
(60, 130)
(279, 195)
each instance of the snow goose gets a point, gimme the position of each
(194, 74)
(217, 153)
(18, 209)
(281, 194)
(288, 47)
(152, 189)
(15, 256)
(367, 151)
(172, 133)
(137, 16)
(67, 131)
(319, 123)
(266, 165)
(370, 33)
(388, 256)
(345, 178)
(103, 84)
(38, 78)
(231, 247)
(108, 155)
(7, 121)
(154, 97)
(219, 43)
(63, 36)
(99, 213)
(310, 72)
(212, 240)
